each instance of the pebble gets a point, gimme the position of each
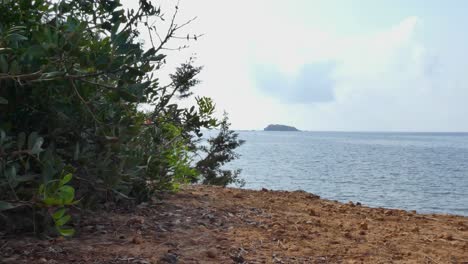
(211, 253)
(137, 240)
(10, 260)
(170, 258)
(363, 226)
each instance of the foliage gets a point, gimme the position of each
(219, 152)
(55, 195)
(73, 75)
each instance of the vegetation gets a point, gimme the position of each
(280, 128)
(73, 76)
(218, 152)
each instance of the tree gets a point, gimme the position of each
(221, 150)
(72, 76)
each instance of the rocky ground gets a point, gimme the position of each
(204, 224)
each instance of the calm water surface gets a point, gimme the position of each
(427, 172)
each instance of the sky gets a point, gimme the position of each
(332, 65)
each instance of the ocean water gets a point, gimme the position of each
(426, 172)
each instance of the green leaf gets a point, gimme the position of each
(32, 139)
(66, 194)
(36, 51)
(16, 28)
(52, 201)
(51, 75)
(128, 96)
(62, 221)
(3, 64)
(6, 206)
(66, 179)
(3, 101)
(5, 50)
(58, 214)
(11, 173)
(66, 232)
(25, 178)
(121, 38)
(158, 57)
(76, 154)
(21, 140)
(41, 189)
(16, 37)
(37, 146)
(2, 137)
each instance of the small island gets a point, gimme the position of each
(276, 127)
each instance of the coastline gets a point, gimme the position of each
(206, 224)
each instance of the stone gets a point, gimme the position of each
(211, 253)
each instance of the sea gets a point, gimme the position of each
(426, 172)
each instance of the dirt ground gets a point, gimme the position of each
(202, 224)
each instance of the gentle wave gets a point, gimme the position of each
(427, 172)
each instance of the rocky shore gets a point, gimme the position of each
(203, 224)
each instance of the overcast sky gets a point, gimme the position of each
(363, 65)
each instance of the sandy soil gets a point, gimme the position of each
(204, 224)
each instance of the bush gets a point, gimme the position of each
(72, 77)
(217, 153)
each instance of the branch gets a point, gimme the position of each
(98, 84)
(25, 77)
(84, 102)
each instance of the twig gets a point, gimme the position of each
(157, 34)
(431, 259)
(4, 245)
(98, 84)
(84, 102)
(26, 76)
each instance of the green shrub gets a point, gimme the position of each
(219, 151)
(72, 77)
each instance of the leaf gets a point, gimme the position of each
(52, 201)
(2, 137)
(16, 37)
(25, 178)
(76, 154)
(3, 64)
(16, 28)
(138, 86)
(59, 214)
(121, 38)
(36, 51)
(41, 189)
(32, 139)
(66, 194)
(62, 221)
(21, 140)
(37, 146)
(158, 57)
(6, 206)
(66, 232)
(51, 75)
(128, 96)
(3, 101)
(66, 179)
(11, 173)
(5, 50)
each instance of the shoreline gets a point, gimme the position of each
(207, 224)
(345, 201)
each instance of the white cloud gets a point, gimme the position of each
(389, 79)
